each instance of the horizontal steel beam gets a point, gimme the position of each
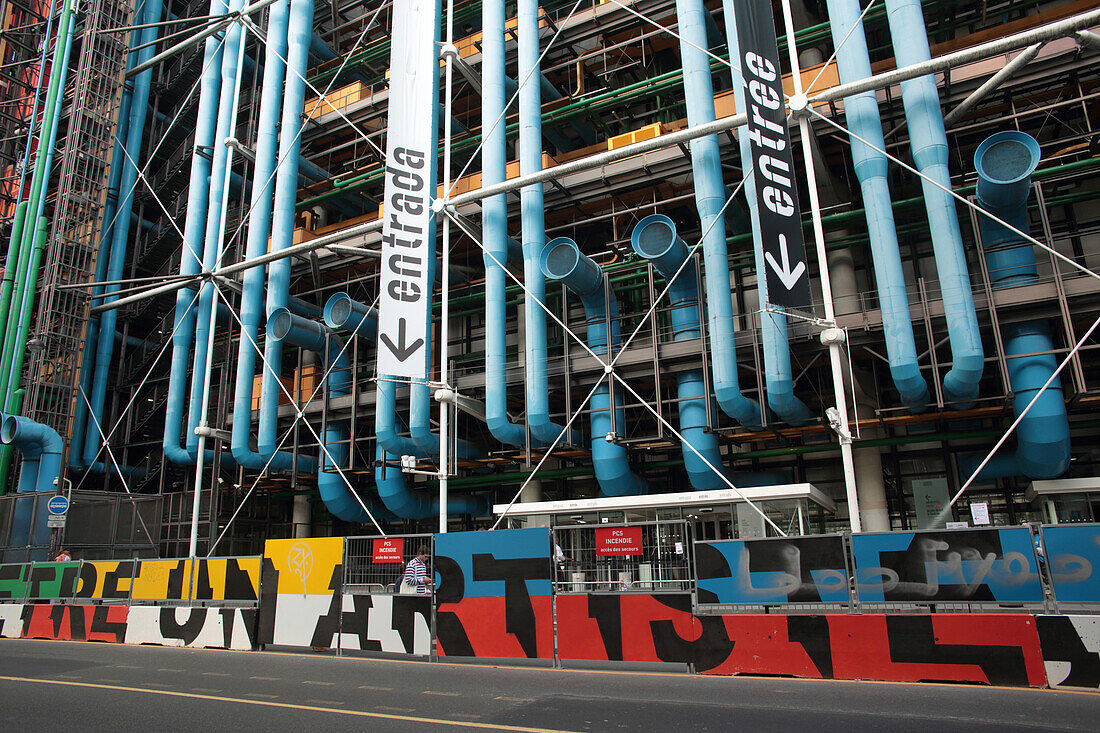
(1059, 29)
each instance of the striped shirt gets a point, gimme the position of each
(416, 576)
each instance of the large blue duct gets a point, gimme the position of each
(282, 224)
(929, 148)
(259, 229)
(338, 498)
(534, 226)
(215, 220)
(1005, 162)
(494, 226)
(773, 326)
(135, 134)
(861, 114)
(194, 225)
(710, 197)
(563, 261)
(41, 447)
(343, 313)
(654, 238)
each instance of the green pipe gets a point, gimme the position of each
(6, 451)
(13, 255)
(16, 406)
(38, 180)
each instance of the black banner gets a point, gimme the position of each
(784, 249)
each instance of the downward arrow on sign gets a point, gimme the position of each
(783, 270)
(401, 350)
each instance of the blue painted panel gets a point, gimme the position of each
(487, 560)
(1073, 553)
(950, 565)
(774, 570)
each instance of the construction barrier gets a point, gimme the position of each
(499, 595)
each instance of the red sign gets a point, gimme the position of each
(618, 540)
(389, 550)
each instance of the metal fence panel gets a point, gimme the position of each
(1072, 553)
(969, 565)
(774, 570)
(613, 558)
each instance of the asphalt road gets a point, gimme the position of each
(107, 687)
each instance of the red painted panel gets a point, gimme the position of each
(578, 633)
(485, 624)
(639, 612)
(761, 645)
(75, 623)
(999, 649)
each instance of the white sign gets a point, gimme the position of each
(979, 512)
(56, 521)
(958, 525)
(406, 291)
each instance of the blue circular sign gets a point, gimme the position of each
(57, 505)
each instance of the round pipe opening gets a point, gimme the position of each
(653, 236)
(279, 324)
(560, 258)
(8, 429)
(1007, 157)
(338, 310)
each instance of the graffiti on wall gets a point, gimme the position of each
(951, 565)
(226, 628)
(493, 594)
(1072, 552)
(307, 577)
(773, 570)
(399, 624)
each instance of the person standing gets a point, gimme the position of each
(416, 578)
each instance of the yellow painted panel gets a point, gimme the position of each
(216, 572)
(153, 578)
(305, 566)
(102, 569)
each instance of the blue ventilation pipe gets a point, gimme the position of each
(534, 227)
(861, 114)
(41, 447)
(343, 313)
(193, 228)
(259, 229)
(282, 223)
(494, 226)
(773, 326)
(338, 498)
(1005, 162)
(929, 148)
(654, 238)
(212, 240)
(710, 196)
(563, 261)
(135, 134)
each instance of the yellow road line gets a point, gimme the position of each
(292, 706)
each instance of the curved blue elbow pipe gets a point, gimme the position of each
(654, 238)
(135, 134)
(773, 326)
(494, 226)
(190, 264)
(282, 223)
(534, 227)
(710, 196)
(259, 229)
(41, 448)
(563, 261)
(1005, 162)
(862, 116)
(929, 149)
(334, 491)
(343, 313)
(214, 222)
